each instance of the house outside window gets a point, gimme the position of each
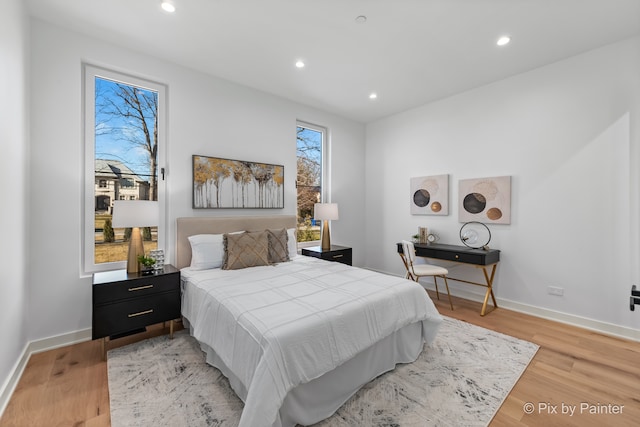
(124, 146)
(116, 187)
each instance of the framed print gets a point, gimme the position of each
(486, 200)
(429, 195)
(236, 184)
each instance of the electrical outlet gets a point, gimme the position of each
(554, 290)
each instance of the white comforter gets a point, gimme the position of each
(279, 326)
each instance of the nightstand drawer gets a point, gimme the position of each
(335, 253)
(343, 256)
(131, 314)
(135, 288)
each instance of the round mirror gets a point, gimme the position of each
(475, 234)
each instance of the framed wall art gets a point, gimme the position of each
(236, 184)
(487, 200)
(430, 195)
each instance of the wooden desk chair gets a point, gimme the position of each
(416, 271)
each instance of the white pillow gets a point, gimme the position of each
(292, 243)
(207, 251)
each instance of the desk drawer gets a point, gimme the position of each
(128, 315)
(141, 287)
(460, 257)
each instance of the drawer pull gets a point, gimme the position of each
(457, 256)
(338, 256)
(139, 288)
(140, 313)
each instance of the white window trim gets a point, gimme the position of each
(88, 265)
(325, 177)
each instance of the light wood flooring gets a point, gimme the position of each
(573, 368)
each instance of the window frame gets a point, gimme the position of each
(324, 172)
(89, 73)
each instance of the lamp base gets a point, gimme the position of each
(326, 238)
(136, 249)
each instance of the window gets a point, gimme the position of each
(311, 152)
(124, 146)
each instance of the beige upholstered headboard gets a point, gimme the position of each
(189, 226)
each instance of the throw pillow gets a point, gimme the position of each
(278, 248)
(249, 249)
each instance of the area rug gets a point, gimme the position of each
(461, 379)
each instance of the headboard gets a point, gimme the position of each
(189, 226)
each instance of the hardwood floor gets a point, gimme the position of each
(575, 369)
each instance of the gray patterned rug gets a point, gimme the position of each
(462, 379)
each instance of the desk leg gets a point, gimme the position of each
(489, 280)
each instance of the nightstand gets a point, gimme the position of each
(126, 303)
(336, 253)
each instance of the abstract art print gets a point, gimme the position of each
(235, 184)
(430, 195)
(486, 200)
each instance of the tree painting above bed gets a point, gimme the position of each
(223, 183)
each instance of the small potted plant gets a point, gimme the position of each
(147, 264)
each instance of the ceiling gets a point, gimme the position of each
(409, 52)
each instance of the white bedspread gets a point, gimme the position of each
(279, 326)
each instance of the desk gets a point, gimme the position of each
(486, 260)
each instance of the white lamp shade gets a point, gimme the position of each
(325, 211)
(135, 213)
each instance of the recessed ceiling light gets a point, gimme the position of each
(504, 40)
(361, 19)
(373, 95)
(300, 63)
(167, 6)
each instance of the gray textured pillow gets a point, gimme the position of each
(248, 249)
(278, 249)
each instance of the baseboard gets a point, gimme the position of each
(570, 319)
(556, 316)
(11, 382)
(545, 313)
(34, 347)
(58, 341)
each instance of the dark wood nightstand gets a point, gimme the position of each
(336, 253)
(125, 303)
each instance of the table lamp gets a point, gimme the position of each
(325, 212)
(135, 214)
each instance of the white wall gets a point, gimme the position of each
(568, 135)
(206, 116)
(13, 186)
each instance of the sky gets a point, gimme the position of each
(111, 132)
(311, 139)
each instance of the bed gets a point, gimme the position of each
(297, 339)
